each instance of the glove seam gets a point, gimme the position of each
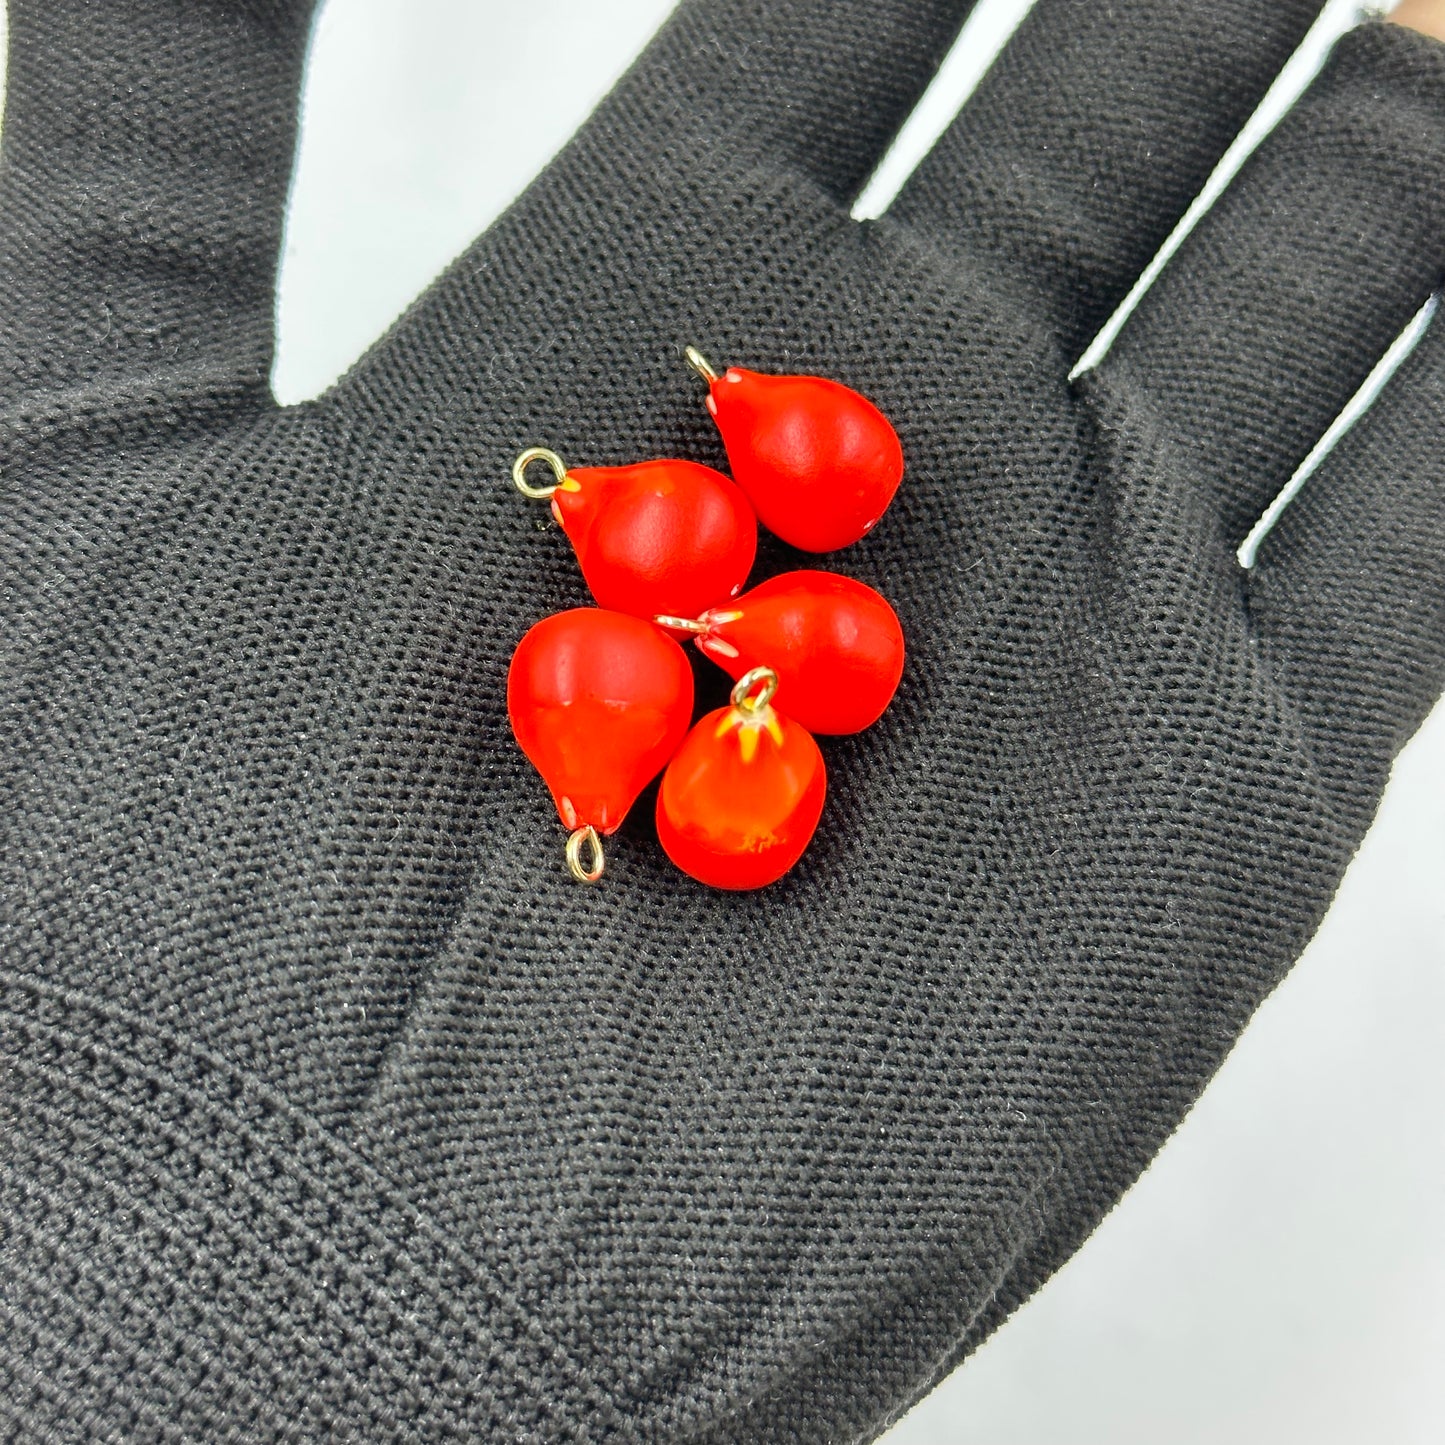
(105, 1036)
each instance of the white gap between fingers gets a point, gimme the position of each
(1356, 407)
(1334, 20)
(983, 36)
(419, 125)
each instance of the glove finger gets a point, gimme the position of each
(1089, 138)
(821, 86)
(1275, 309)
(147, 154)
(1348, 592)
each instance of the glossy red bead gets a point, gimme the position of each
(741, 799)
(667, 537)
(599, 702)
(835, 644)
(819, 462)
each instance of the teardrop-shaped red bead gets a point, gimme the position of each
(741, 799)
(599, 702)
(835, 644)
(819, 462)
(668, 537)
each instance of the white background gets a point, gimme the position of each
(1278, 1275)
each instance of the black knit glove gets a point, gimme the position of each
(329, 1106)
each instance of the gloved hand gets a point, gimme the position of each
(329, 1106)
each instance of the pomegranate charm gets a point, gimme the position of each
(600, 698)
(663, 536)
(834, 643)
(598, 702)
(741, 798)
(819, 462)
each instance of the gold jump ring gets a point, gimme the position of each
(747, 682)
(700, 364)
(538, 454)
(585, 837)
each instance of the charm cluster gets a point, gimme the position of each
(601, 698)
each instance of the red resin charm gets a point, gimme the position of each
(834, 643)
(662, 536)
(819, 462)
(741, 799)
(598, 702)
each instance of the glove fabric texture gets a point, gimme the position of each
(329, 1106)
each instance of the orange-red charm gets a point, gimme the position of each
(599, 702)
(741, 799)
(834, 643)
(819, 462)
(662, 536)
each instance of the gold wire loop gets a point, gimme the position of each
(699, 364)
(682, 624)
(585, 837)
(747, 682)
(538, 454)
